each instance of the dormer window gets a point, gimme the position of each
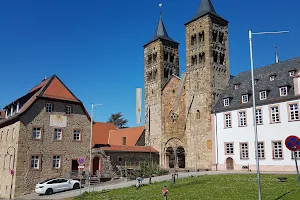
(245, 98)
(226, 102)
(255, 81)
(263, 95)
(272, 78)
(236, 86)
(291, 73)
(283, 91)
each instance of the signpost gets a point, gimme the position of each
(293, 144)
(81, 162)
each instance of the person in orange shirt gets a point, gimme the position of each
(165, 192)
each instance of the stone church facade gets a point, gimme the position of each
(185, 141)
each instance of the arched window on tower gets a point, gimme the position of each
(198, 114)
(214, 35)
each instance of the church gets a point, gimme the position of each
(183, 136)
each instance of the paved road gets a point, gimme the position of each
(107, 186)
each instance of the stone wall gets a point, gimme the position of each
(9, 137)
(47, 147)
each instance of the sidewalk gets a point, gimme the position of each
(109, 186)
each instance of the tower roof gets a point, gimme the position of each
(206, 7)
(161, 32)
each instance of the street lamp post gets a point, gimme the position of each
(254, 104)
(91, 141)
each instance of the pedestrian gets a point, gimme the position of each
(139, 183)
(165, 192)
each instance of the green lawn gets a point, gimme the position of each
(211, 187)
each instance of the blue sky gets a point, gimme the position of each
(95, 46)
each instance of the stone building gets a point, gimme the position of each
(183, 137)
(41, 136)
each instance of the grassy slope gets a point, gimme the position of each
(216, 187)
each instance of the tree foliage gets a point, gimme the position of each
(118, 120)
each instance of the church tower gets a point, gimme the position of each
(160, 62)
(207, 67)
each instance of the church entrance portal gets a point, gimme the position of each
(175, 154)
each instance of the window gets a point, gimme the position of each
(36, 133)
(68, 110)
(56, 162)
(291, 73)
(35, 162)
(283, 91)
(272, 78)
(275, 114)
(294, 112)
(77, 135)
(242, 118)
(48, 107)
(227, 121)
(261, 150)
(244, 150)
(255, 81)
(277, 150)
(259, 116)
(229, 148)
(58, 134)
(236, 86)
(263, 95)
(226, 102)
(245, 98)
(297, 154)
(124, 140)
(198, 114)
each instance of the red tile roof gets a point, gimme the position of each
(52, 88)
(132, 135)
(129, 148)
(101, 132)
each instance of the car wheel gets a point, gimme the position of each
(49, 191)
(76, 186)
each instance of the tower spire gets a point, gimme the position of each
(161, 32)
(276, 55)
(206, 7)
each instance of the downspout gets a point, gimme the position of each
(216, 142)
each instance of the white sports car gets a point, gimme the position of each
(51, 186)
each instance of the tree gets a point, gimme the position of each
(118, 120)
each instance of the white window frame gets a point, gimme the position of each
(226, 102)
(49, 107)
(297, 155)
(275, 114)
(263, 95)
(77, 135)
(272, 78)
(259, 119)
(35, 162)
(277, 150)
(283, 91)
(68, 110)
(291, 73)
(37, 133)
(56, 162)
(58, 134)
(242, 118)
(236, 86)
(261, 150)
(244, 151)
(227, 118)
(294, 111)
(245, 98)
(229, 148)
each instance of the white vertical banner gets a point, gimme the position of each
(138, 105)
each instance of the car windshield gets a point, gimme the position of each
(46, 181)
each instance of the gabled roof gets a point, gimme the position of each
(124, 148)
(101, 132)
(281, 70)
(50, 88)
(169, 79)
(132, 135)
(161, 33)
(206, 7)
